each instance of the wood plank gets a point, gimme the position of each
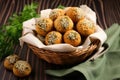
(108, 12)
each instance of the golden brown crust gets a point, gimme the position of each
(72, 37)
(63, 24)
(56, 13)
(43, 26)
(53, 37)
(85, 27)
(10, 61)
(75, 13)
(22, 68)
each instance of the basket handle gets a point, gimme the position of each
(100, 49)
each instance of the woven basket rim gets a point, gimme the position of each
(63, 57)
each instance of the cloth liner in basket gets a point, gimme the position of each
(63, 53)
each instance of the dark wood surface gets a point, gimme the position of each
(108, 12)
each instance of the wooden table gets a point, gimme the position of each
(107, 11)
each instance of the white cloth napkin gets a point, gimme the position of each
(29, 37)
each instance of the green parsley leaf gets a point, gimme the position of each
(13, 30)
(61, 7)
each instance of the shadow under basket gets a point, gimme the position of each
(62, 58)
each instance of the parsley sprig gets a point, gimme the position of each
(10, 33)
(61, 6)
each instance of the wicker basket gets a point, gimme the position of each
(66, 57)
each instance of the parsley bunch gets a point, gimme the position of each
(10, 33)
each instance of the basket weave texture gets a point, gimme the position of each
(65, 57)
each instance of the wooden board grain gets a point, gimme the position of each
(107, 12)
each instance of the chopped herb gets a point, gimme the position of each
(51, 38)
(53, 13)
(43, 24)
(79, 13)
(72, 36)
(21, 66)
(88, 23)
(64, 22)
(12, 58)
